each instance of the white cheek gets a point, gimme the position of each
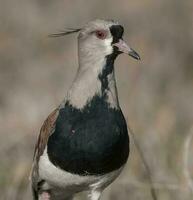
(109, 48)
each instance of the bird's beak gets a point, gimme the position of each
(124, 48)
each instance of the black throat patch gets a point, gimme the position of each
(107, 70)
(117, 33)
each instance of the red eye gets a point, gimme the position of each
(101, 34)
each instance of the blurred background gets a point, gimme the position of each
(156, 94)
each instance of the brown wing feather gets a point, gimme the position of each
(45, 131)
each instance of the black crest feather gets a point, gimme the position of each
(66, 32)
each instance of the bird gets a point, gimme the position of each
(83, 144)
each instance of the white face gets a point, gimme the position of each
(97, 42)
(95, 39)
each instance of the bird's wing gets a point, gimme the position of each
(45, 131)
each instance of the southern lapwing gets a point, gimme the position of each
(83, 145)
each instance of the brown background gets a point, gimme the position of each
(156, 94)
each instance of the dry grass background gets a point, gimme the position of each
(156, 94)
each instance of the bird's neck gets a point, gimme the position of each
(94, 78)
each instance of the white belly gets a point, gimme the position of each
(58, 178)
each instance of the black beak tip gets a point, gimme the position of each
(138, 58)
(134, 54)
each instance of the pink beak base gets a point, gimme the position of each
(124, 48)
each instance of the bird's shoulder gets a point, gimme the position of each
(45, 131)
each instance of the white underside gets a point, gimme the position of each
(70, 183)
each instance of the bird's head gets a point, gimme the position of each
(101, 38)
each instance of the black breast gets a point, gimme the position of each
(89, 141)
